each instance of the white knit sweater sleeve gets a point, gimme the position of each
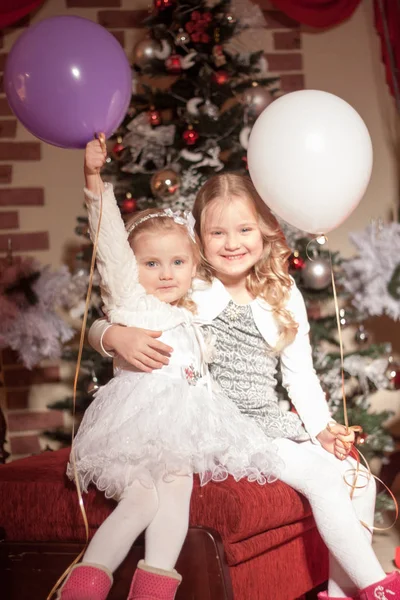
(125, 300)
(116, 261)
(298, 373)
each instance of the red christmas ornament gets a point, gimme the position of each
(154, 117)
(296, 263)
(118, 147)
(190, 136)
(221, 77)
(128, 205)
(395, 379)
(173, 64)
(393, 374)
(218, 55)
(163, 4)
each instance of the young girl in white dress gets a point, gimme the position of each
(145, 434)
(257, 315)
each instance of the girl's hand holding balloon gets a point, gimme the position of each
(95, 158)
(95, 155)
(337, 439)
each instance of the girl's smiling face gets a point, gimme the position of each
(232, 239)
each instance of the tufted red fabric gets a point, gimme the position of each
(85, 582)
(324, 596)
(269, 536)
(152, 586)
(388, 588)
(284, 572)
(270, 540)
(238, 510)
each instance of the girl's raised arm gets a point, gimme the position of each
(115, 259)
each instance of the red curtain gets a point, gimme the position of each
(327, 13)
(12, 11)
(318, 13)
(387, 22)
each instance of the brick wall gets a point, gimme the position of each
(24, 207)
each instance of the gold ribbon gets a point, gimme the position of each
(355, 472)
(77, 370)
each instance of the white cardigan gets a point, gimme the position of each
(298, 373)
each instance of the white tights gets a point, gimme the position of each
(162, 510)
(318, 475)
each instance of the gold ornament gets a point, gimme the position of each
(165, 184)
(145, 52)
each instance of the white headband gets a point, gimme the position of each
(186, 218)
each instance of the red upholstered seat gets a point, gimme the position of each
(272, 547)
(242, 512)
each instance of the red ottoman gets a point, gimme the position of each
(271, 548)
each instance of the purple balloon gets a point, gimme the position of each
(66, 79)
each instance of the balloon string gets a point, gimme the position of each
(356, 472)
(337, 312)
(77, 371)
(367, 475)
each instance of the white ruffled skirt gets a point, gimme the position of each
(149, 426)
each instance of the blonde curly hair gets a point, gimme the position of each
(269, 278)
(163, 224)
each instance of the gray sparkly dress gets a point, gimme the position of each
(244, 366)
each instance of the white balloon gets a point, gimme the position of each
(310, 159)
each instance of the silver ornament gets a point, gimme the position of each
(256, 98)
(361, 335)
(145, 52)
(316, 274)
(210, 109)
(165, 184)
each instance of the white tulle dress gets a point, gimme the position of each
(172, 421)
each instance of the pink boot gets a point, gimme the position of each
(324, 596)
(153, 584)
(86, 582)
(387, 589)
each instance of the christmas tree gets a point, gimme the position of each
(176, 136)
(367, 368)
(195, 99)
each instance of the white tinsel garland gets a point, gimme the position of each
(364, 368)
(35, 330)
(371, 271)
